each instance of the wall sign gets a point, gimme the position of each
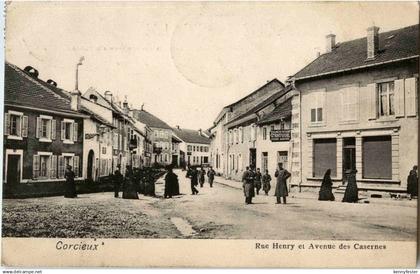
(279, 135)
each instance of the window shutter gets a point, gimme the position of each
(24, 126)
(75, 132)
(76, 166)
(343, 105)
(399, 98)
(372, 101)
(53, 129)
(411, 96)
(60, 166)
(353, 94)
(35, 166)
(6, 124)
(63, 133)
(53, 173)
(38, 127)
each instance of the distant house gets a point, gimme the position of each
(43, 131)
(161, 136)
(358, 110)
(194, 148)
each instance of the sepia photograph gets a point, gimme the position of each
(282, 126)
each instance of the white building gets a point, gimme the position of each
(195, 146)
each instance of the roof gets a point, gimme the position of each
(149, 119)
(191, 136)
(279, 112)
(394, 45)
(263, 104)
(22, 89)
(274, 82)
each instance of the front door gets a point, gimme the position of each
(13, 169)
(90, 165)
(349, 155)
(252, 157)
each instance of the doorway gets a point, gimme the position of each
(349, 154)
(91, 157)
(252, 157)
(13, 169)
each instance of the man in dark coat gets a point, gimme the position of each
(351, 195)
(202, 176)
(281, 186)
(248, 186)
(210, 175)
(412, 182)
(192, 174)
(129, 189)
(171, 180)
(70, 184)
(117, 180)
(266, 179)
(257, 181)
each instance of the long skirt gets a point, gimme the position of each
(325, 194)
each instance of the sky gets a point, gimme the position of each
(184, 60)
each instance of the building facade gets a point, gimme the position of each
(194, 145)
(358, 110)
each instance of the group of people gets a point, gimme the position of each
(199, 176)
(135, 181)
(253, 181)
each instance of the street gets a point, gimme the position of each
(218, 212)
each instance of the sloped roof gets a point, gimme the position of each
(22, 89)
(190, 136)
(279, 112)
(393, 45)
(149, 119)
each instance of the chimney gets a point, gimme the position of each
(125, 105)
(330, 42)
(75, 100)
(372, 42)
(200, 132)
(142, 106)
(52, 82)
(177, 126)
(108, 96)
(31, 71)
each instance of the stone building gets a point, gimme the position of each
(195, 146)
(358, 109)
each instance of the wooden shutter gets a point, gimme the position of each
(35, 166)
(377, 157)
(399, 98)
(6, 124)
(38, 127)
(411, 96)
(354, 103)
(372, 101)
(53, 129)
(63, 131)
(76, 166)
(24, 126)
(325, 157)
(75, 132)
(53, 172)
(61, 167)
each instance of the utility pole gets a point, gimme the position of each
(77, 72)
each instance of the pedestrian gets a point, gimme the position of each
(192, 174)
(266, 179)
(70, 191)
(171, 180)
(351, 195)
(412, 183)
(257, 181)
(210, 175)
(117, 180)
(248, 186)
(129, 188)
(281, 186)
(202, 176)
(325, 193)
(149, 186)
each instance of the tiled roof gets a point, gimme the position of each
(22, 89)
(149, 119)
(190, 136)
(393, 45)
(280, 112)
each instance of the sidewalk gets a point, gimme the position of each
(314, 195)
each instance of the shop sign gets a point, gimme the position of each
(279, 135)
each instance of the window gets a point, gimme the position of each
(16, 125)
(317, 102)
(386, 98)
(201, 149)
(316, 115)
(241, 135)
(44, 165)
(69, 131)
(377, 157)
(264, 164)
(189, 148)
(264, 133)
(324, 157)
(205, 159)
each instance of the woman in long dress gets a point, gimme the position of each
(351, 195)
(325, 193)
(70, 191)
